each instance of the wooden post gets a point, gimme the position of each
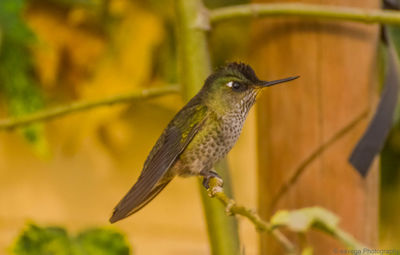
(337, 65)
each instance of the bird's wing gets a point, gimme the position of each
(169, 146)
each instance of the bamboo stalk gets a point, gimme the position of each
(194, 66)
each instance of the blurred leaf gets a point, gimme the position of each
(35, 240)
(305, 219)
(12, 25)
(99, 241)
(39, 241)
(16, 70)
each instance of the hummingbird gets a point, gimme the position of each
(199, 135)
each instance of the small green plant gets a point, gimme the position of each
(36, 240)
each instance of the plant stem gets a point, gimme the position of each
(232, 208)
(59, 111)
(194, 67)
(305, 10)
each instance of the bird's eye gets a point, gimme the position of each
(236, 86)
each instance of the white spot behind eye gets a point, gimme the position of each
(229, 84)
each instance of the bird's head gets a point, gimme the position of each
(235, 86)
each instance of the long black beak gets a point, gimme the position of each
(271, 83)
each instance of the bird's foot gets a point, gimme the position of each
(207, 176)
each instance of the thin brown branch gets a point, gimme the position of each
(314, 155)
(232, 208)
(63, 110)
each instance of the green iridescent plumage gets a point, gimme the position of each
(169, 146)
(201, 133)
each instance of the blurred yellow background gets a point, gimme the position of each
(84, 163)
(73, 170)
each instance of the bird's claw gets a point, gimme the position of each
(210, 175)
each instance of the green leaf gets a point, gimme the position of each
(40, 241)
(11, 22)
(305, 219)
(21, 91)
(302, 220)
(17, 80)
(100, 241)
(35, 240)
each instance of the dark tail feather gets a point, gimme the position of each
(127, 207)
